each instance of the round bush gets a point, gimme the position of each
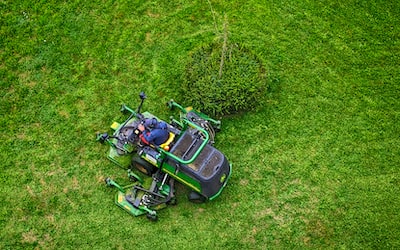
(222, 81)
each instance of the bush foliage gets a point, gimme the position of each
(222, 80)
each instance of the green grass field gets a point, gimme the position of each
(315, 167)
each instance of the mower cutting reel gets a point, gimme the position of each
(146, 197)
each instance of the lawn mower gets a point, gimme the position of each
(187, 156)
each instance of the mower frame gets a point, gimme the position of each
(188, 157)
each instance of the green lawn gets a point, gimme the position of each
(316, 166)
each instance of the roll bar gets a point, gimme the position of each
(203, 144)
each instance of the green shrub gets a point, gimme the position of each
(223, 79)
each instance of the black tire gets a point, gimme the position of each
(107, 181)
(123, 109)
(143, 166)
(196, 197)
(152, 217)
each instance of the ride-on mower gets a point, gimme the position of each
(187, 156)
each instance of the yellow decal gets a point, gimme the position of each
(223, 177)
(115, 125)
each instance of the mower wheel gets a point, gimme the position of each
(152, 217)
(196, 197)
(102, 137)
(143, 166)
(124, 109)
(108, 181)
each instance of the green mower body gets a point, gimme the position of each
(188, 156)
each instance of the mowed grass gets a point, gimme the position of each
(315, 166)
